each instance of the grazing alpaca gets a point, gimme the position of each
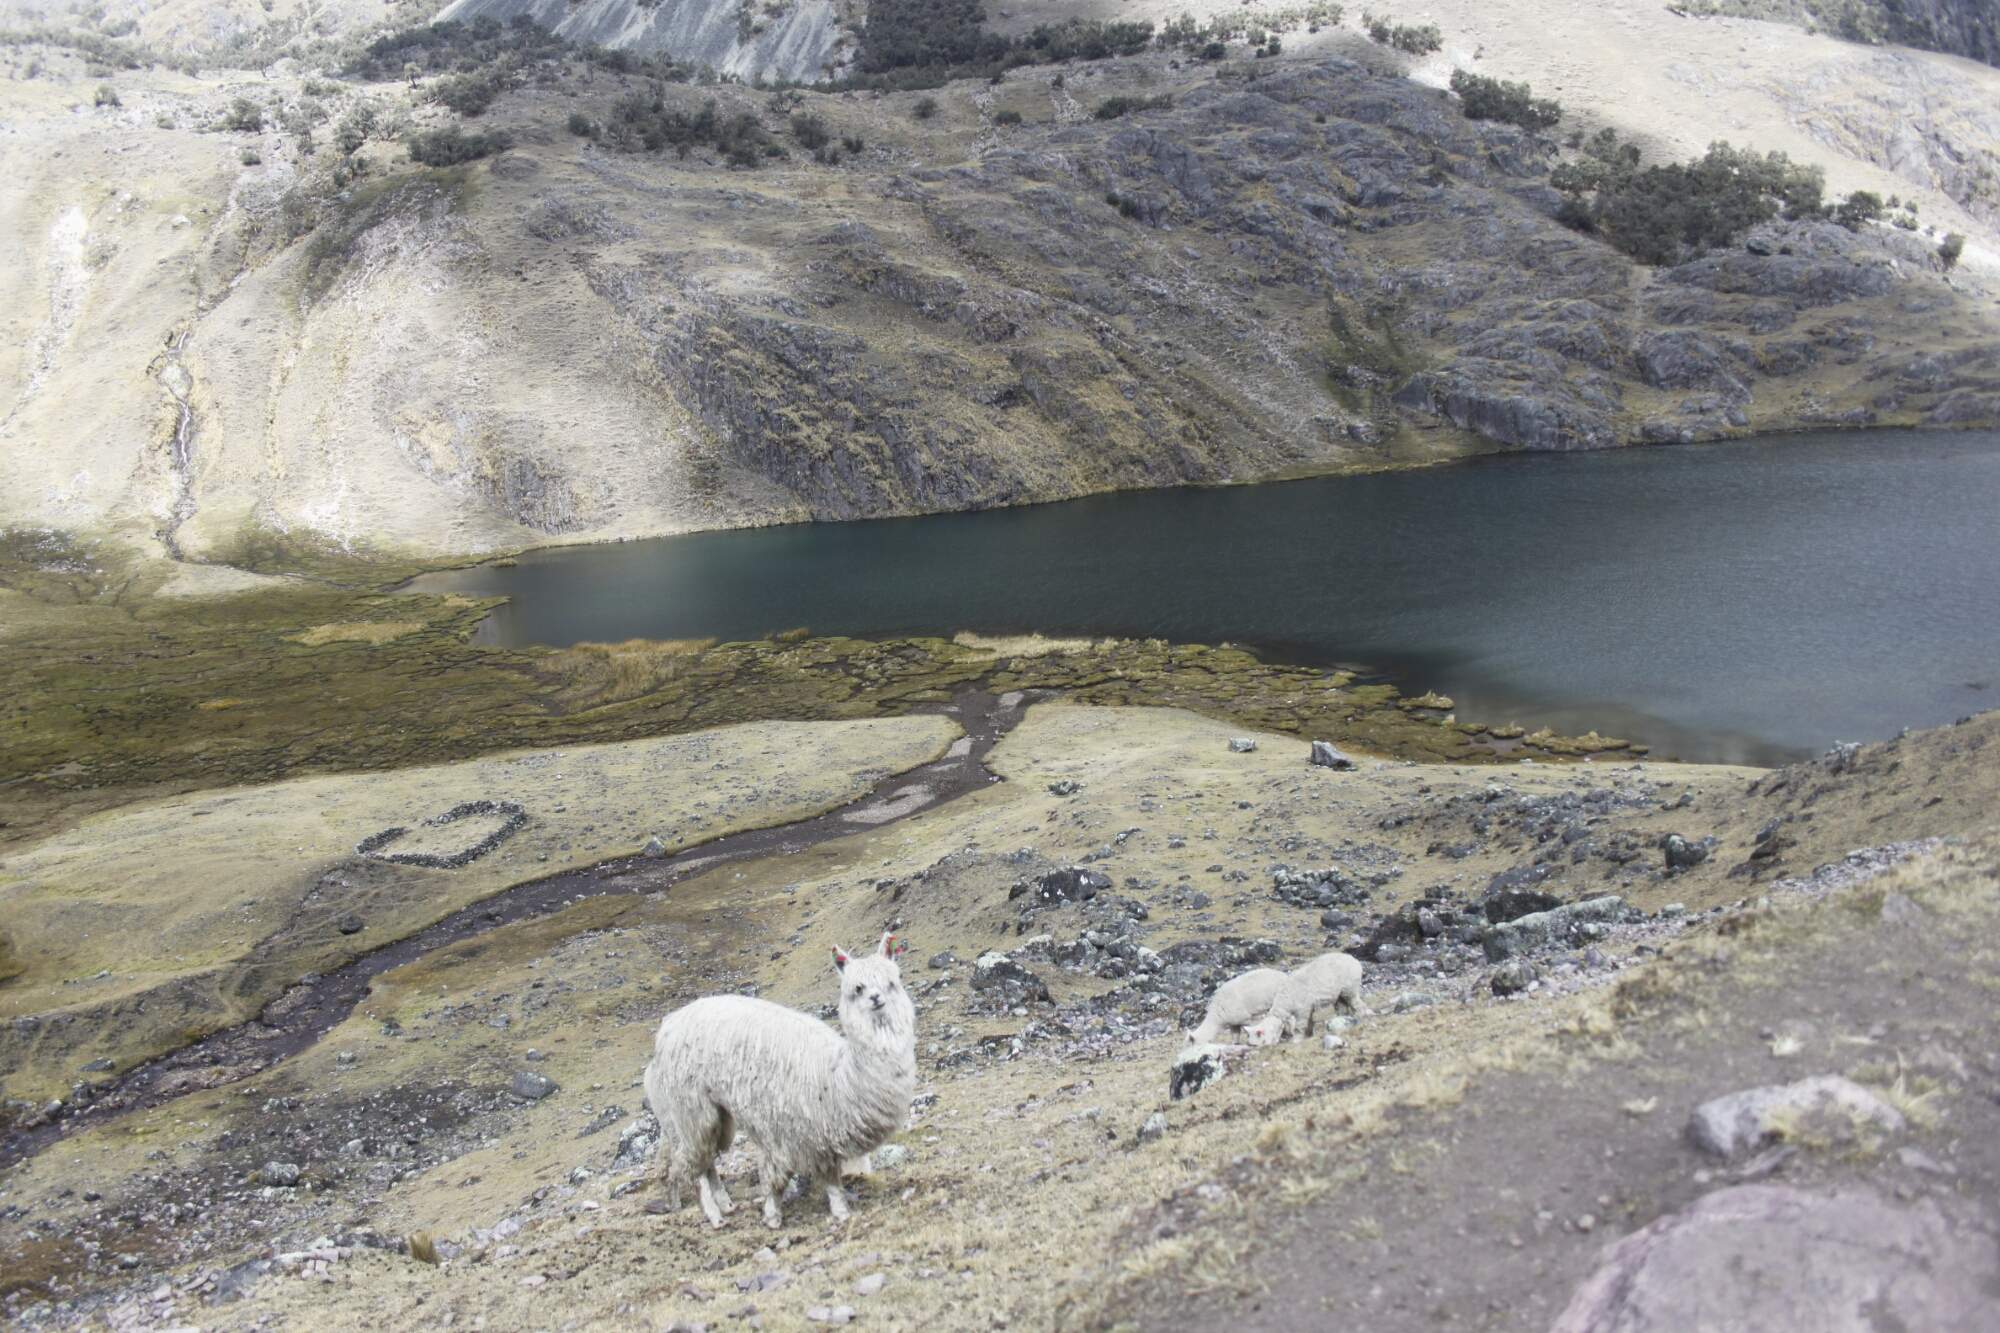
(808, 1099)
(1237, 1003)
(1331, 978)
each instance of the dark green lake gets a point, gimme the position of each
(1750, 602)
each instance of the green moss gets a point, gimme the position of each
(110, 697)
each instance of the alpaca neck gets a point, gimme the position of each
(873, 1083)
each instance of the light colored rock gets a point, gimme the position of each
(1539, 928)
(1772, 1257)
(1827, 1106)
(1326, 755)
(1243, 745)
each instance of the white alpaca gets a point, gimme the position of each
(1237, 1003)
(809, 1099)
(1330, 979)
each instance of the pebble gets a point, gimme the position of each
(871, 1284)
(830, 1314)
(1155, 1126)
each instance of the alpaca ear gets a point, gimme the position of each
(839, 959)
(893, 947)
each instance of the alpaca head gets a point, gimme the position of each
(1264, 1032)
(874, 1007)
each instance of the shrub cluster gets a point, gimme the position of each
(1664, 214)
(1482, 98)
(1416, 40)
(643, 122)
(924, 43)
(475, 62)
(1113, 107)
(450, 146)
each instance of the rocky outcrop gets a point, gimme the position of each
(1292, 267)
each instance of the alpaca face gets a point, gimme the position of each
(873, 1003)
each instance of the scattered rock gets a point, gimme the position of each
(1325, 755)
(284, 1174)
(1556, 924)
(1512, 977)
(1155, 1126)
(1006, 983)
(1071, 884)
(1065, 787)
(1684, 855)
(1195, 1068)
(655, 847)
(871, 1284)
(1511, 894)
(890, 1156)
(1243, 745)
(1769, 1256)
(530, 1086)
(830, 1314)
(351, 925)
(1827, 1107)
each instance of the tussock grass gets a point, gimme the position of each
(605, 673)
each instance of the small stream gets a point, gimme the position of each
(315, 1007)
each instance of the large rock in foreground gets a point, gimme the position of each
(1772, 1257)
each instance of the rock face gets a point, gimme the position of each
(1769, 1257)
(1307, 266)
(798, 41)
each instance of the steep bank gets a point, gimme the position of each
(1027, 1190)
(1296, 266)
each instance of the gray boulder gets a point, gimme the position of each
(1326, 755)
(530, 1086)
(1512, 977)
(1242, 745)
(1550, 927)
(1004, 982)
(1683, 854)
(1827, 1107)
(1773, 1257)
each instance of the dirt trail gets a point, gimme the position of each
(1488, 1213)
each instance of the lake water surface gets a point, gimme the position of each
(1751, 601)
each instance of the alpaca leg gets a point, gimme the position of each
(864, 1165)
(713, 1184)
(773, 1180)
(1310, 1015)
(725, 1134)
(836, 1199)
(709, 1208)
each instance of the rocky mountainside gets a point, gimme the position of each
(1959, 27)
(1128, 273)
(799, 41)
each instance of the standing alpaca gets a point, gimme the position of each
(1330, 979)
(1237, 1003)
(808, 1099)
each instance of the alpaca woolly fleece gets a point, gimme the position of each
(1330, 979)
(1237, 1003)
(806, 1097)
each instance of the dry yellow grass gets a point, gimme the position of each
(357, 631)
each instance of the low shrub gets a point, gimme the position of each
(1481, 98)
(450, 146)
